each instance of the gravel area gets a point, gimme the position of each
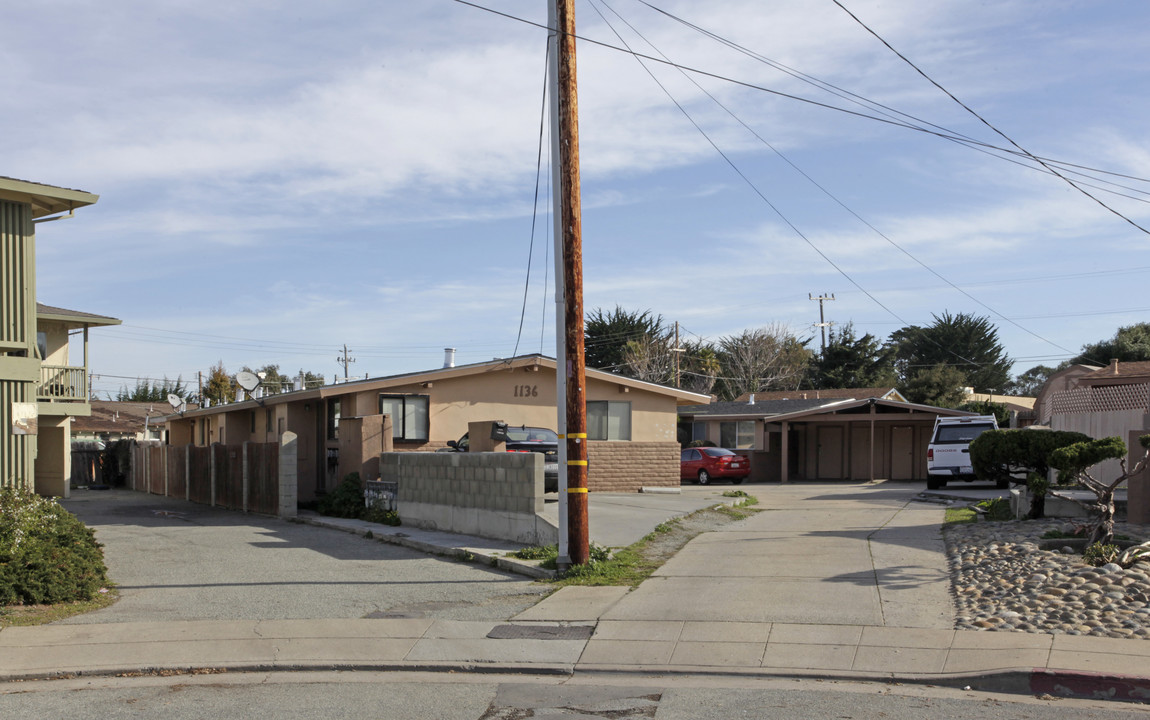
(1003, 580)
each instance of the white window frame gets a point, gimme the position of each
(608, 420)
(409, 425)
(744, 434)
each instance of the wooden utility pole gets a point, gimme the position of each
(345, 361)
(576, 436)
(822, 324)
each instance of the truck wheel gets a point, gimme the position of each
(934, 483)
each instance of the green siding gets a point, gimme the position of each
(17, 336)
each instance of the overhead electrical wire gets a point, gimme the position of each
(535, 204)
(984, 121)
(943, 134)
(754, 188)
(839, 202)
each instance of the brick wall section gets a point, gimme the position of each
(629, 466)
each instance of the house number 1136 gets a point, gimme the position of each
(526, 391)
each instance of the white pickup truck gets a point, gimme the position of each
(948, 454)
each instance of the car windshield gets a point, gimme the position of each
(531, 434)
(960, 433)
(717, 452)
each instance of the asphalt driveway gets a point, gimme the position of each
(175, 560)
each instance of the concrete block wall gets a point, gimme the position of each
(630, 466)
(496, 495)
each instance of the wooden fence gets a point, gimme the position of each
(237, 477)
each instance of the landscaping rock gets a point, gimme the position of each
(1002, 580)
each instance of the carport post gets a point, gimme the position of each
(212, 475)
(872, 440)
(245, 459)
(785, 446)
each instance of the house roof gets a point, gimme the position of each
(44, 199)
(682, 397)
(779, 410)
(47, 312)
(828, 394)
(1137, 370)
(113, 416)
(757, 409)
(1010, 401)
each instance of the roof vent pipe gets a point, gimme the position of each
(448, 357)
(752, 400)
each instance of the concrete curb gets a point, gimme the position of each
(526, 568)
(1020, 681)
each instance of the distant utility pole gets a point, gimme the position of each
(677, 351)
(345, 361)
(822, 324)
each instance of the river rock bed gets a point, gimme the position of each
(1003, 580)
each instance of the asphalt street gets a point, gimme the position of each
(461, 696)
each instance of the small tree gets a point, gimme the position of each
(1073, 462)
(220, 388)
(1020, 456)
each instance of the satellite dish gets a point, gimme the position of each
(248, 381)
(175, 401)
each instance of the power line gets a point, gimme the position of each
(986, 122)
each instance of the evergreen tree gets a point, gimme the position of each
(853, 362)
(606, 335)
(963, 342)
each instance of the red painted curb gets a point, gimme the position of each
(1096, 686)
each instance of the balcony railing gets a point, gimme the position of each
(63, 383)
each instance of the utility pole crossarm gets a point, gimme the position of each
(822, 323)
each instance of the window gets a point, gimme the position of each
(42, 344)
(268, 412)
(608, 420)
(689, 455)
(333, 419)
(409, 416)
(737, 434)
(698, 431)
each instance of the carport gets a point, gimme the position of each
(850, 439)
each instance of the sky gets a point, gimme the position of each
(280, 179)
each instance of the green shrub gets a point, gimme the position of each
(997, 509)
(346, 501)
(46, 554)
(377, 514)
(1099, 554)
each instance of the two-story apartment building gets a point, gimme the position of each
(40, 389)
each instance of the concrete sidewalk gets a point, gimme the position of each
(831, 581)
(1008, 662)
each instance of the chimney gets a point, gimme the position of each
(1113, 366)
(448, 357)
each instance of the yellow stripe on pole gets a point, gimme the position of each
(577, 435)
(576, 462)
(577, 490)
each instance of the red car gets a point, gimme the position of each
(703, 464)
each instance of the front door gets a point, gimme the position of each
(902, 453)
(830, 453)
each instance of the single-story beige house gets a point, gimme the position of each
(862, 438)
(631, 424)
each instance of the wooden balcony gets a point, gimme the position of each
(62, 384)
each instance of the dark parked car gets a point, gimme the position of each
(705, 464)
(528, 439)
